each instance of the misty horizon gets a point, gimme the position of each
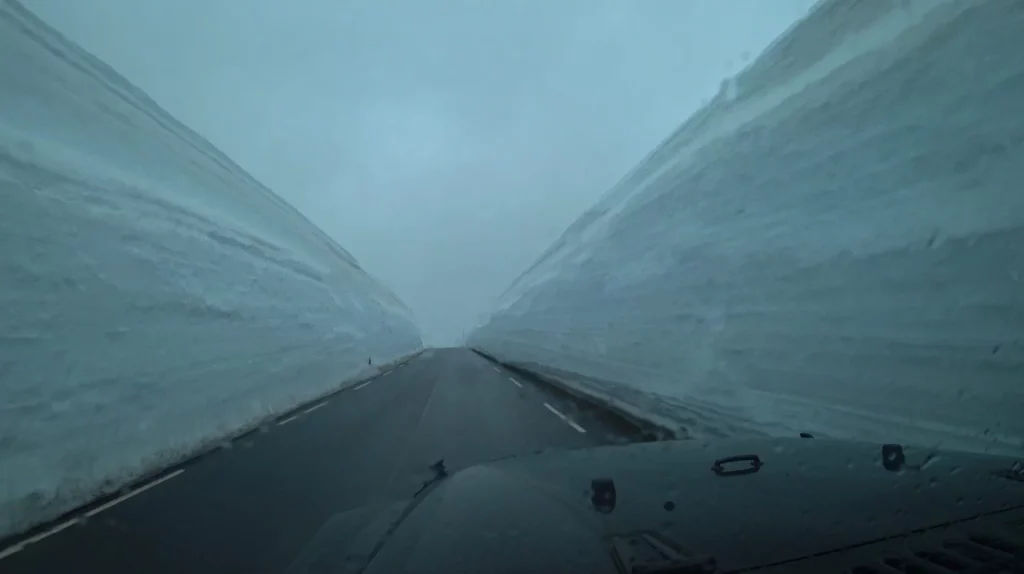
(445, 147)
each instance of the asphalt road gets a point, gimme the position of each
(252, 505)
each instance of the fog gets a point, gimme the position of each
(445, 144)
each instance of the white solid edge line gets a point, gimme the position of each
(565, 418)
(137, 491)
(313, 408)
(518, 384)
(287, 420)
(363, 385)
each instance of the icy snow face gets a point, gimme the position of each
(152, 294)
(834, 244)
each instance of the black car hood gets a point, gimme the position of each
(806, 497)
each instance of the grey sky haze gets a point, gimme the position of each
(444, 143)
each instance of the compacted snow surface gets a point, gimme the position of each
(153, 295)
(834, 244)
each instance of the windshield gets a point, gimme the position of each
(265, 263)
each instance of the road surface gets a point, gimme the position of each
(252, 505)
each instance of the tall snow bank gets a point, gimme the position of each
(834, 244)
(153, 295)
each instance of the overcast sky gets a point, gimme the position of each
(444, 143)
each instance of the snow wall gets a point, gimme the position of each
(153, 296)
(834, 244)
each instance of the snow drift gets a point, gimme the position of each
(834, 244)
(153, 295)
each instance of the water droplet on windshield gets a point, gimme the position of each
(730, 89)
(670, 506)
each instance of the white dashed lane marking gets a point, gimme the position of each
(517, 383)
(496, 369)
(119, 500)
(65, 525)
(21, 545)
(567, 420)
(363, 385)
(313, 408)
(287, 420)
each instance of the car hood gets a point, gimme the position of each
(553, 512)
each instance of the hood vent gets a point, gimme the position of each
(648, 553)
(995, 551)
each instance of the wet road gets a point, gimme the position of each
(254, 504)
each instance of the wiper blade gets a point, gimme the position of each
(440, 473)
